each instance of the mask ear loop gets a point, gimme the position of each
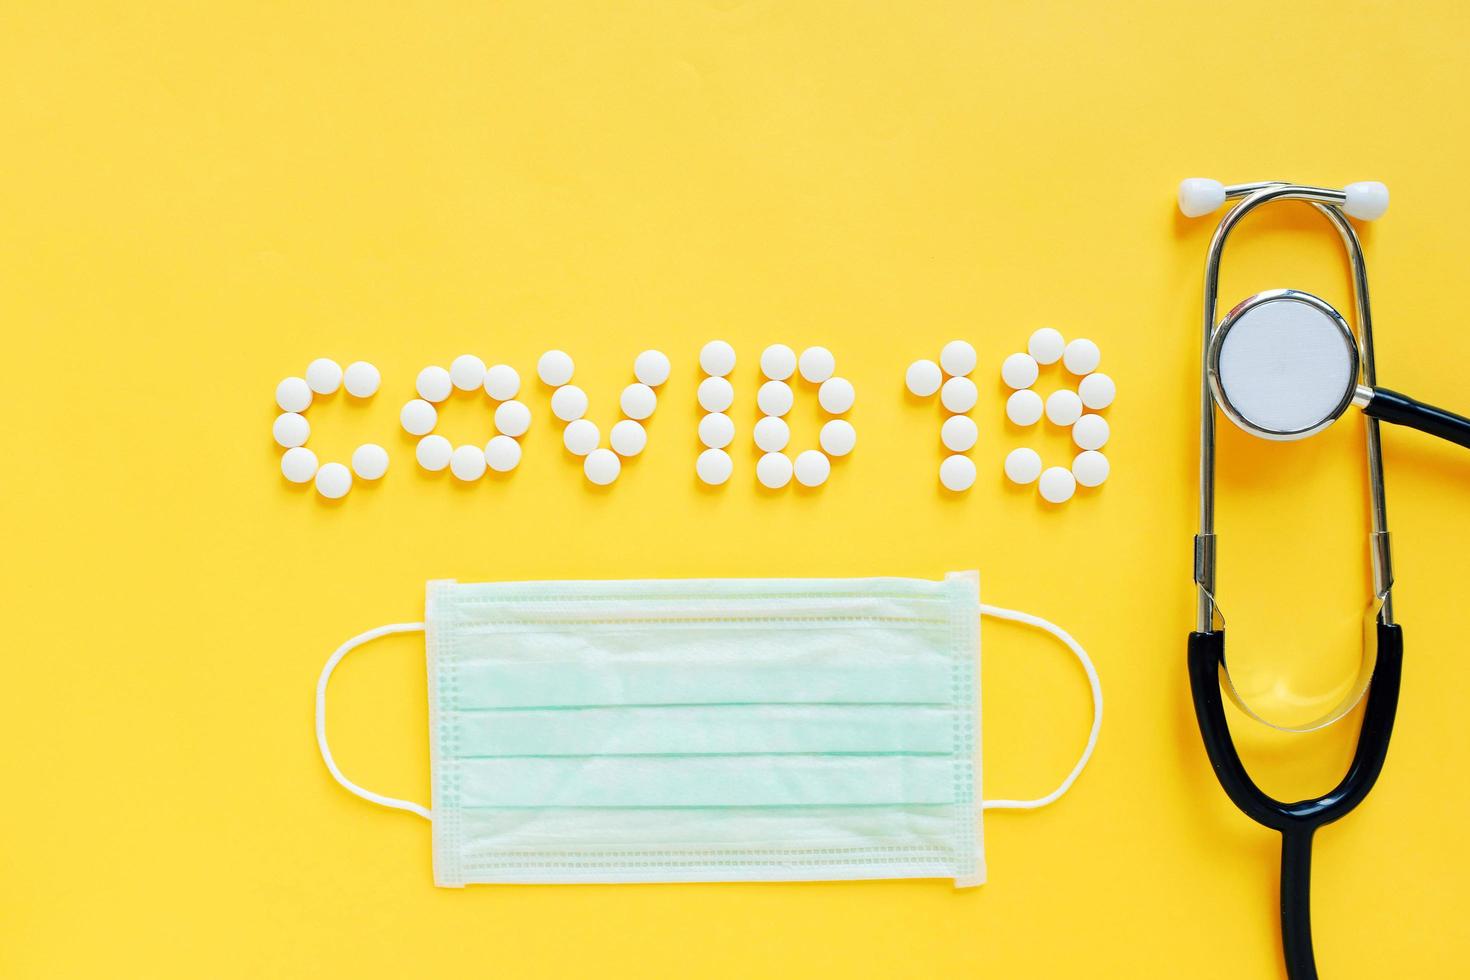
(996, 612)
(321, 720)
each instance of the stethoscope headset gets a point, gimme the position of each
(1283, 365)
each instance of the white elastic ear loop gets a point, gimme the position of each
(1097, 707)
(321, 719)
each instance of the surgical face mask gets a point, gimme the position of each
(705, 730)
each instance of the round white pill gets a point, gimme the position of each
(957, 473)
(298, 464)
(775, 398)
(418, 417)
(959, 433)
(555, 368)
(837, 437)
(716, 430)
(958, 358)
(602, 466)
(502, 382)
(370, 461)
(1023, 465)
(812, 468)
(569, 403)
(433, 453)
(1019, 371)
(714, 466)
(1057, 484)
(324, 375)
(433, 384)
(778, 362)
(1046, 345)
(512, 418)
(361, 379)
(1063, 407)
(717, 359)
(293, 395)
(638, 400)
(816, 364)
(958, 395)
(467, 463)
(716, 394)
(628, 437)
(1090, 468)
(581, 437)
(1097, 391)
(1024, 407)
(1090, 432)
(502, 454)
(1081, 357)
(923, 378)
(772, 434)
(774, 470)
(651, 367)
(467, 372)
(333, 481)
(290, 429)
(836, 395)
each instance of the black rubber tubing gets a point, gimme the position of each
(1400, 409)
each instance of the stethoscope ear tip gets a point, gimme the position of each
(1366, 200)
(1199, 196)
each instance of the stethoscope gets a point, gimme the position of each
(1284, 364)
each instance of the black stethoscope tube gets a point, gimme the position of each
(1400, 409)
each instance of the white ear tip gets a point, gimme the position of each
(1198, 196)
(1366, 200)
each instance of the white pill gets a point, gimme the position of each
(1046, 345)
(959, 433)
(957, 358)
(1023, 465)
(1090, 468)
(628, 437)
(816, 364)
(555, 368)
(467, 372)
(293, 395)
(502, 382)
(298, 464)
(836, 395)
(1063, 407)
(1019, 371)
(324, 375)
(569, 403)
(370, 461)
(502, 454)
(717, 359)
(361, 379)
(433, 453)
(714, 466)
(923, 378)
(433, 384)
(1097, 391)
(467, 463)
(512, 418)
(418, 417)
(1081, 357)
(290, 429)
(716, 430)
(1090, 432)
(812, 468)
(958, 394)
(602, 466)
(774, 470)
(778, 362)
(581, 437)
(775, 398)
(837, 437)
(638, 400)
(957, 473)
(651, 367)
(1057, 484)
(333, 481)
(772, 434)
(1024, 407)
(716, 394)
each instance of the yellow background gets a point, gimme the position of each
(198, 199)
